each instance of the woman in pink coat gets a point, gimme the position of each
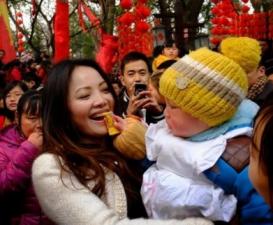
(19, 146)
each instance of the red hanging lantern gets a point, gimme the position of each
(143, 1)
(126, 4)
(19, 14)
(19, 21)
(20, 35)
(143, 11)
(127, 18)
(245, 9)
(215, 11)
(20, 42)
(142, 27)
(21, 49)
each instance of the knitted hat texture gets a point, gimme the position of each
(243, 50)
(205, 84)
(158, 60)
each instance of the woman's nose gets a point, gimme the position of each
(100, 100)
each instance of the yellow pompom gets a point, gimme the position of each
(243, 50)
(131, 141)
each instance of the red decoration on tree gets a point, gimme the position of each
(142, 26)
(245, 9)
(81, 21)
(134, 31)
(91, 16)
(126, 18)
(143, 11)
(142, 1)
(20, 42)
(34, 7)
(107, 54)
(19, 21)
(126, 4)
(61, 30)
(232, 19)
(19, 35)
(18, 14)
(20, 49)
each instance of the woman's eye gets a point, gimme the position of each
(83, 96)
(106, 90)
(32, 117)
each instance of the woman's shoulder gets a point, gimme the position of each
(45, 162)
(46, 159)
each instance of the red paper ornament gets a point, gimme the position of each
(245, 1)
(245, 9)
(19, 14)
(142, 27)
(143, 1)
(127, 18)
(20, 35)
(21, 49)
(143, 11)
(20, 42)
(215, 11)
(19, 21)
(126, 4)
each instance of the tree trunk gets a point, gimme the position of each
(166, 18)
(110, 16)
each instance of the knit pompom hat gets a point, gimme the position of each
(158, 60)
(243, 50)
(205, 84)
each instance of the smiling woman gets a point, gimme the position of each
(81, 179)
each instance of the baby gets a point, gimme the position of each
(205, 109)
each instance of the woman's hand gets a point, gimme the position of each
(36, 138)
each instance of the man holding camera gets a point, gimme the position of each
(136, 99)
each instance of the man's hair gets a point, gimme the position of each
(134, 56)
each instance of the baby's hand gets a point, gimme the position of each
(119, 122)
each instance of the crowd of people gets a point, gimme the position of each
(192, 140)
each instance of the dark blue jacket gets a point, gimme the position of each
(252, 208)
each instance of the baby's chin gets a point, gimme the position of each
(182, 133)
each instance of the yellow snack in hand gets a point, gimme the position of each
(131, 141)
(108, 118)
